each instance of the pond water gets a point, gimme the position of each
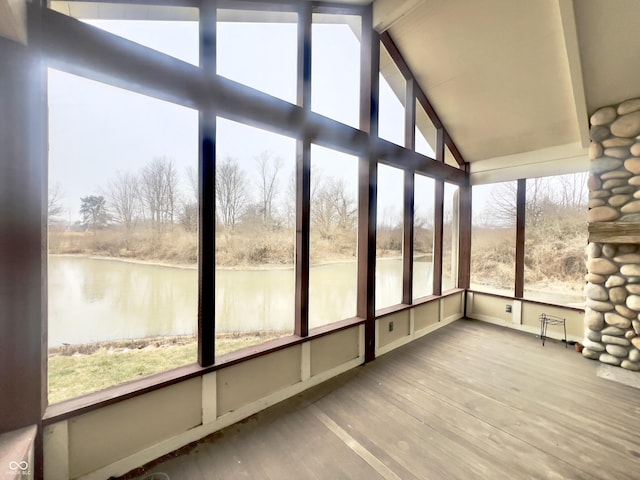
(94, 299)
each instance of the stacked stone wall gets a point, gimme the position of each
(612, 314)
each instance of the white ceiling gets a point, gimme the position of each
(515, 81)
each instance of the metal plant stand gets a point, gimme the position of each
(546, 320)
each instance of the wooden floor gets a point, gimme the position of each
(470, 401)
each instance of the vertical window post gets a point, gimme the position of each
(521, 206)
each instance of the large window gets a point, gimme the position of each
(493, 238)
(423, 236)
(450, 237)
(259, 49)
(334, 229)
(123, 288)
(392, 100)
(335, 67)
(556, 232)
(389, 236)
(255, 232)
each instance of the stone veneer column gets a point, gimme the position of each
(612, 314)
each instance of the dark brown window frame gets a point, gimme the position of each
(117, 61)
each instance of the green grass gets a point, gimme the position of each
(78, 374)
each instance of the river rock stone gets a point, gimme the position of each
(617, 152)
(636, 194)
(634, 355)
(627, 248)
(592, 335)
(633, 302)
(593, 278)
(599, 306)
(612, 331)
(623, 342)
(627, 125)
(629, 334)
(631, 207)
(636, 342)
(593, 250)
(623, 190)
(595, 150)
(603, 116)
(630, 270)
(593, 319)
(599, 194)
(601, 266)
(629, 106)
(605, 164)
(590, 354)
(596, 292)
(636, 326)
(632, 164)
(633, 280)
(609, 250)
(599, 133)
(615, 174)
(630, 217)
(613, 183)
(616, 320)
(633, 289)
(618, 294)
(617, 142)
(593, 346)
(627, 258)
(597, 202)
(615, 281)
(635, 367)
(602, 214)
(616, 200)
(635, 149)
(610, 359)
(625, 311)
(617, 350)
(594, 183)
(635, 181)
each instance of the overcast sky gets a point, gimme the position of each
(97, 130)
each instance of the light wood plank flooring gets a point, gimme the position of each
(470, 401)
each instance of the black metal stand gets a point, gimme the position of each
(546, 320)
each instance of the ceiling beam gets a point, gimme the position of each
(13, 20)
(572, 48)
(388, 12)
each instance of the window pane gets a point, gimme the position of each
(389, 236)
(392, 100)
(259, 49)
(450, 237)
(334, 222)
(449, 159)
(170, 30)
(493, 238)
(122, 274)
(335, 67)
(255, 232)
(556, 232)
(423, 236)
(425, 133)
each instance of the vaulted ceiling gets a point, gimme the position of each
(515, 82)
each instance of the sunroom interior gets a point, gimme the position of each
(209, 207)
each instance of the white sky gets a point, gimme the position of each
(97, 130)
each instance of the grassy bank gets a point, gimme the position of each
(78, 369)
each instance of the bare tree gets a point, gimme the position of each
(232, 194)
(268, 169)
(123, 193)
(94, 212)
(575, 193)
(333, 208)
(189, 204)
(54, 204)
(159, 188)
